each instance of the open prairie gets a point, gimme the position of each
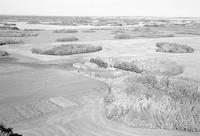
(49, 93)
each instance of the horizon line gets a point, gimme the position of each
(99, 16)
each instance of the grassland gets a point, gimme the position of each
(46, 95)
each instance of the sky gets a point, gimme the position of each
(158, 8)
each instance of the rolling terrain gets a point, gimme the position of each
(44, 95)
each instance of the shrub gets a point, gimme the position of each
(113, 112)
(123, 36)
(3, 53)
(36, 51)
(99, 62)
(147, 79)
(151, 66)
(128, 66)
(144, 101)
(66, 31)
(67, 39)
(4, 131)
(182, 87)
(68, 49)
(173, 48)
(88, 31)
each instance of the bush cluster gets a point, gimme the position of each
(123, 36)
(88, 31)
(99, 62)
(154, 102)
(8, 28)
(66, 31)
(68, 49)
(173, 48)
(67, 39)
(128, 66)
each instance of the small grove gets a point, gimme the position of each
(68, 49)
